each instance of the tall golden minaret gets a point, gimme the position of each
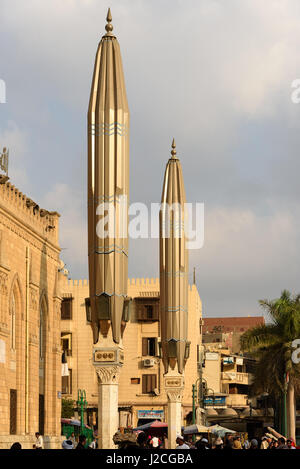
(174, 268)
(173, 291)
(108, 183)
(108, 190)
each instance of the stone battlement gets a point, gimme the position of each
(144, 282)
(28, 212)
(152, 283)
(78, 283)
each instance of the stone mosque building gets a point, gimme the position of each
(30, 349)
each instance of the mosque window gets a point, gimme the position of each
(149, 384)
(66, 343)
(13, 412)
(13, 323)
(149, 346)
(147, 310)
(66, 308)
(42, 332)
(66, 384)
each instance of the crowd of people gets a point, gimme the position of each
(144, 441)
(69, 443)
(230, 442)
(234, 443)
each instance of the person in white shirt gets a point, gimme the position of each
(180, 442)
(93, 445)
(154, 442)
(39, 442)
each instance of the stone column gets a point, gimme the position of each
(174, 385)
(108, 362)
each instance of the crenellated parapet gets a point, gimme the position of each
(144, 282)
(30, 215)
(138, 285)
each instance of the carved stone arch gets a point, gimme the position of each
(16, 290)
(44, 304)
(44, 314)
(17, 346)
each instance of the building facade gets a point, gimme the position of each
(231, 324)
(141, 391)
(30, 353)
(228, 375)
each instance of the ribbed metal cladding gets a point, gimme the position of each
(108, 183)
(173, 267)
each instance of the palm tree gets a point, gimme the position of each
(271, 343)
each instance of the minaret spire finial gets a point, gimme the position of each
(173, 152)
(109, 27)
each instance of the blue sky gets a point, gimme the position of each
(214, 74)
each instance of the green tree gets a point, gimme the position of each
(272, 345)
(67, 408)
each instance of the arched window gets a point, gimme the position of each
(41, 331)
(41, 334)
(13, 323)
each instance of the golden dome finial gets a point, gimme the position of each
(109, 27)
(173, 152)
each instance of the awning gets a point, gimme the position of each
(74, 422)
(220, 431)
(155, 424)
(193, 429)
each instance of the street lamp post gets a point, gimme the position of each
(194, 394)
(194, 391)
(284, 412)
(82, 404)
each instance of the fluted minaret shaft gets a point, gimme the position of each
(108, 183)
(173, 267)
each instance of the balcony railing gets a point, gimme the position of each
(237, 400)
(234, 377)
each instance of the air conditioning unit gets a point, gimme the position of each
(148, 362)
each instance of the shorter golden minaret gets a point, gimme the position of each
(173, 291)
(173, 267)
